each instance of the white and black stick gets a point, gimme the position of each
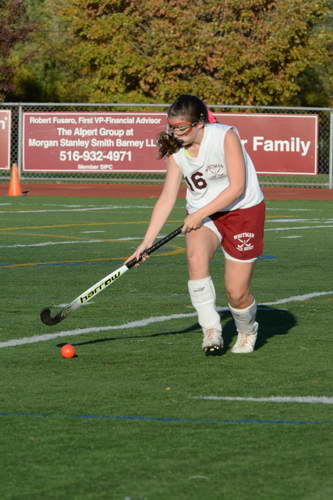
(98, 287)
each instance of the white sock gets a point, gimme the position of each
(245, 318)
(203, 296)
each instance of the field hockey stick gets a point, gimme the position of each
(98, 287)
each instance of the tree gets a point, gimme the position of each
(256, 52)
(14, 29)
(47, 67)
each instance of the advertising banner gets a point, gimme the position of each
(5, 127)
(276, 143)
(126, 142)
(92, 142)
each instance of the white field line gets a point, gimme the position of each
(297, 228)
(50, 243)
(140, 323)
(89, 232)
(54, 243)
(291, 209)
(291, 237)
(298, 298)
(81, 331)
(142, 206)
(85, 209)
(283, 219)
(282, 209)
(273, 399)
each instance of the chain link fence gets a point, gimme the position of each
(324, 178)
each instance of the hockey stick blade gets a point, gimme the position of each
(98, 287)
(47, 319)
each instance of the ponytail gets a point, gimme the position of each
(167, 144)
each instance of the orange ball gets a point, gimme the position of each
(68, 351)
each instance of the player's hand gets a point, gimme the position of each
(192, 222)
(138, 252)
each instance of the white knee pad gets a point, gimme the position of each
(203, 296)
(245, 318)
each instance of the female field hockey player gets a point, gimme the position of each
(224, 208)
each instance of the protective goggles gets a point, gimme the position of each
(181, 128)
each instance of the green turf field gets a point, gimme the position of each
(139, 414)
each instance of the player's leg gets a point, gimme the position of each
(201, 246)
(243, 232)
(242, 305)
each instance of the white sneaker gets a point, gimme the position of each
(246, 341)
(212, 342)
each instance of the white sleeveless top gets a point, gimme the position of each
(206, 175)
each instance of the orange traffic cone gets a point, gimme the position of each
(14, 188)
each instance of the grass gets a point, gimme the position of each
(124, 419)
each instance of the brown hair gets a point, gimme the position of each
(193, 109)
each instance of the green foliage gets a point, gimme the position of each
(14, 28)
(47, 73)
(243, 53)
(249, 52)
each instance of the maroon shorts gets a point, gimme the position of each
(241, 231)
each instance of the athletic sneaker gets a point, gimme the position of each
(212, 342)
(246, 341)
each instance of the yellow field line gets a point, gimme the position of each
(177, 250)
(61, 236)
(70, 237)
(279, 216)
(116, 223)
(79, 225)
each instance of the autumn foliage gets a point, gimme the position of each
(14, 28)
(225, 51)
(248, 52)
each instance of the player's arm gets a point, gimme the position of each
(235, 165)
(162, 207)
(165, 202)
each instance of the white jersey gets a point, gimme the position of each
(206, 175)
